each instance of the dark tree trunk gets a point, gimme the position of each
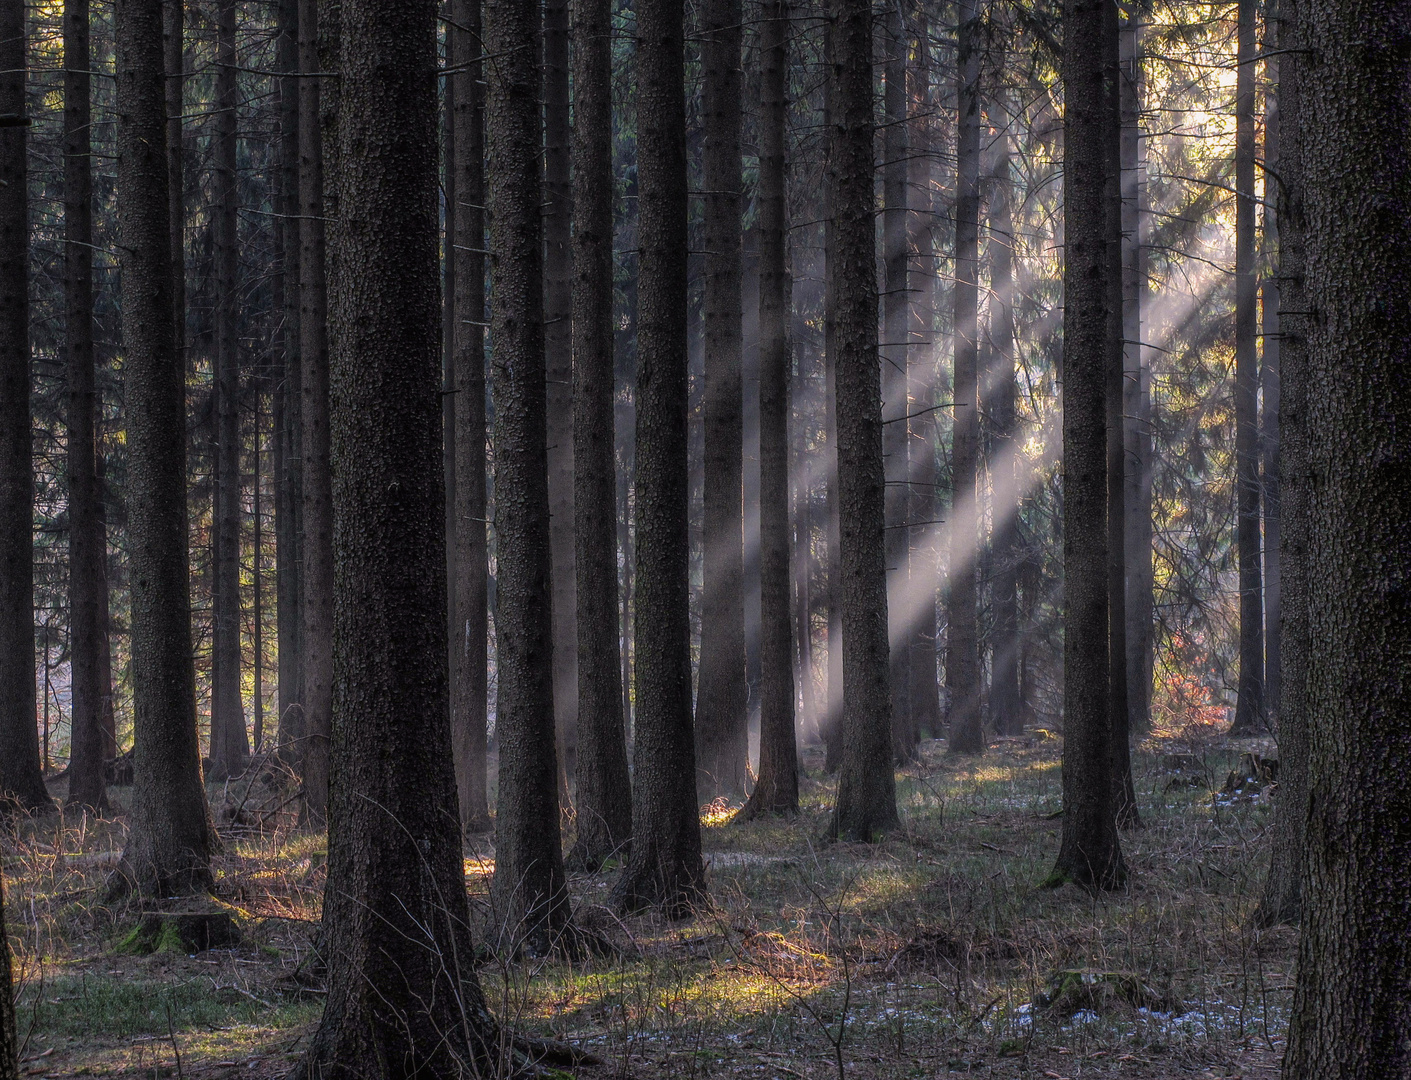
(9, 1042)
(895, 354)
(20, 776)
(866, 805)
(1005, 466)
(316, 637)
(169, 839)
(722, 746)
(1350, 1009)
(962, 659)
(666, 865)
(403, 998)
(603, 796)
(469, 674)
(1091, 853)
(1282, 901)
(286, 393)
(530, 891)
(558, 355)
(777, 788)
(174, 58)
(449, 210)
(230, 744)
(88, 633)
(832, 724)
(1269, 385)
(1249, 706)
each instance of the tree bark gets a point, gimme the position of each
(665, 867)
(722, 746)
(316, 638)
(1351, 1009)
(603, 801)
(963, 661)
(1269, 382)
(1090, 854)
(21, 778)
(174, 58)
(403, 998)
(1249, 706)
(469, 673)
(230, 746)
(170, 836)
(866, 803)
(895, 389)
(832, 724)
(530, 891)
(9, 1042)
(88, 633)
(777, 788)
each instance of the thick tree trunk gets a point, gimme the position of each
(403, 998)
(666, 865)
(20, 775)
(1282, 901)
(777, 788)
(230, 744)
(558, 354)
(1351, 1009)
(895, 354)
(88, 579)
(962, 660)
(603, 796)
(721, 734)
(316, 638)
(866, 805)
(170, 837)
(449, 209)
(1249, 706)
(530, 890)
(1091, 853)
(174, 59)
(469, 673)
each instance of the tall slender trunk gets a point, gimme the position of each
(1249, 706)
(169, 838)
(87, 547)
(174, 59)
(895, 355)
(721, 733)
(230, 744)
(866, 804)
(257, 613)
(449, 454)
(9, 1041)
(1269, 384)
(833, 713)
(603, 789)
(1091, 853)
(558, 356)
(469, 673)
(777, 789)
(962, 660)
(316, 639)
(666, 866)
(803, 565)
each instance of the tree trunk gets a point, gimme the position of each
(20, 775)
(230, 745)
(666, 865)
(469, 674)
(963, 661)
(9, 1042)
(88, 634)
(895, 354)
(866, 805)
(174, 59)
(316, 639)
(530, 891)
(1249, 706)
(777, 788)
(1269, 383)
(832, 724)
(449, 209)
(722, 746)
(1350, 1007)
(1091, 853)
(169, 839)
(558, 354)
(603, 788)
(1282, 901)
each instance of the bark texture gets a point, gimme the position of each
(666, 866)
(403, 998)
(170, 836)
(9, 1043)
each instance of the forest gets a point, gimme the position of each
(750, 538)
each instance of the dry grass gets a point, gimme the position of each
(930, 954)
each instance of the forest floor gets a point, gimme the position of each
(933, 954)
